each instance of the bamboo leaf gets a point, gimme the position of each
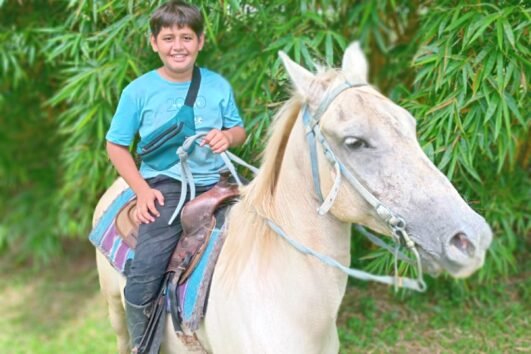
(442, 105)
(483, 25)
(489, 65)
(458, 19)
(498, 122)
(492, 107)
(499, 33)
(445, 159)
(508, 32)
(513, 106)
(500, 73)
(329, 49)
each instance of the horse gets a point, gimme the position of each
(268, 297)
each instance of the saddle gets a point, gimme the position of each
(197, 219)
(126, 225)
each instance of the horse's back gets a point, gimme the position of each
(111, 281)
(108, 275)
(118, 186)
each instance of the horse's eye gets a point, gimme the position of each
(355, 143)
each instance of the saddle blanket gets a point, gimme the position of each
(192, 294)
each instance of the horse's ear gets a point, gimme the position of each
(355, 67)
(301, 78)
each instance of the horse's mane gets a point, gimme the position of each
(259, 193)
(248, 232)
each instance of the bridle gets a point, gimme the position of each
(396, 224)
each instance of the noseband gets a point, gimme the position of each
(396, 224)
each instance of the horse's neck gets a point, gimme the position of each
(304, 280)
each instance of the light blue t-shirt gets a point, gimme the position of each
(150, 101)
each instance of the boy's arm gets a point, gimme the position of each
(221, 140)
(125, 165)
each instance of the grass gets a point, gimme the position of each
(493, 320)
(55, 309)
(58, 309)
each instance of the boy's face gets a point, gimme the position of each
(178, 49)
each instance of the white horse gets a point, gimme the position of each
(266, 296)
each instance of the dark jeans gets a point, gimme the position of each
(155, 244)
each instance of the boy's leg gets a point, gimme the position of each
(155, 245)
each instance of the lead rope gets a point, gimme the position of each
(187, 177)
(380, 243)
(401, 236)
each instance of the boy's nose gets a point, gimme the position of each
(177, 44)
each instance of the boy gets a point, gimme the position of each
(147, 103)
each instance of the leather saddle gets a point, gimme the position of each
(198, 219)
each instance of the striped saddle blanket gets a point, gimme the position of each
(192, 294)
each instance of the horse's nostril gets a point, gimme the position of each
(462, 243)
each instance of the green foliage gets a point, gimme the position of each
(461, 68)
(29, 170)
(470, 96)
(446, 321)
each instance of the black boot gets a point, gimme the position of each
(137, 320)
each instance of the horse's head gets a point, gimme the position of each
(373, 141)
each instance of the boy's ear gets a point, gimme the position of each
(201, 40)
(153, 42)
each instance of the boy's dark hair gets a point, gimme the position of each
(176, 13)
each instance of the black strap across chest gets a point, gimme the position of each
(191, 95)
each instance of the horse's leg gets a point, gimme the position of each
(174, 345)
(331, 345)
(111, 288)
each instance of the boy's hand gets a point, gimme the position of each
(218, 140)
(146, 210)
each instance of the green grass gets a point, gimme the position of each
(55, 309)
(444, 320)
(58, 309)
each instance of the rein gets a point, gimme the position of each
(187, 178)
(396, 224)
